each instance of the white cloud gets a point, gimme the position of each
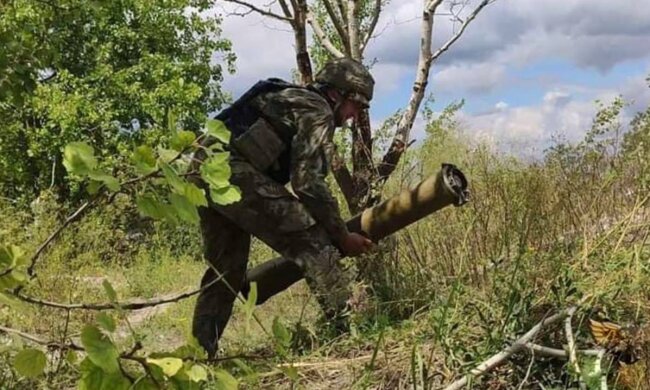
(473, 78)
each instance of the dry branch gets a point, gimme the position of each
(505, 354)
(133, 305)
(573, 359)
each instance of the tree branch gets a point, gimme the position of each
(134, 305)
(340, 171)
(373, 24)
(285, 9)
(322, 38)
(338, 25)
(261, 11)
(460, 32)
(405, 124)
(353, 29)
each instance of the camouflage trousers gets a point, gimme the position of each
(271, 213)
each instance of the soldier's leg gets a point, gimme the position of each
(268, 211)
(226, 248)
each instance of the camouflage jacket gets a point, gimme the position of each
(309, 117)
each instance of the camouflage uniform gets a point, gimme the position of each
(301, 228)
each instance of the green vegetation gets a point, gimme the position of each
(433, 302)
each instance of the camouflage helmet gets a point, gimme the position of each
(350, 77)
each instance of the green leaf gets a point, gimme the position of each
(106, 321)
(30, 362)
(145, 383)
(281, 333)
(218, 130)
(290, 371)
(197, 373)
(150, 206)
(94, 378)
(166, 155)
(93, 187)
(144, 160)
(100, 349)
(170, 365)
(226, 195)
(182, 140)
(175, 182)
(251, 300)
(216, 170)
(79, 158)
(110, 291)
(71, 356)
(184, 208)
(195, 195)
(111, 183)
(225, 381)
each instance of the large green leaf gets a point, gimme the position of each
(79, 158)
(94, 378)
(30, 362)
(109, 181)
(216, 171)
(106, 321)
(281, 333)
(195, 195)
(182, 140)
(144, 160)
(150, 206)
(175, 182)
(110, 291)
(225, 381)
(100, 349)
(184, 208)
(225, 195)
(218, 130)
(169, 365)
(197, 373)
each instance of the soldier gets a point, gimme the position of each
(280, 133)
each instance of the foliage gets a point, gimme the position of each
(110, 74)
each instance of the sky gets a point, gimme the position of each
(530, 71)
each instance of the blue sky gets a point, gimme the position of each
(528, 70)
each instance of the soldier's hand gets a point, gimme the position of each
(354, 244)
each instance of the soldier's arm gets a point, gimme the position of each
(315, 125)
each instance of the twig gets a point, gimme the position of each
(599, 365)
(130, 355)
(80, 210)
(261, 11)
(136, 305)
(38, 340)
(558, 353)
(505, 354)
(573, 359)
(55, 234)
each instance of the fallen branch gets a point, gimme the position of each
(573, 359)
(559, 353)
(504, 355)
(134, 305)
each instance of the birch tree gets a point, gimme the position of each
(345, 28)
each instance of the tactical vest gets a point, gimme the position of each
(241, 115)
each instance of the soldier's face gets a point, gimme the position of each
(349, 109)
